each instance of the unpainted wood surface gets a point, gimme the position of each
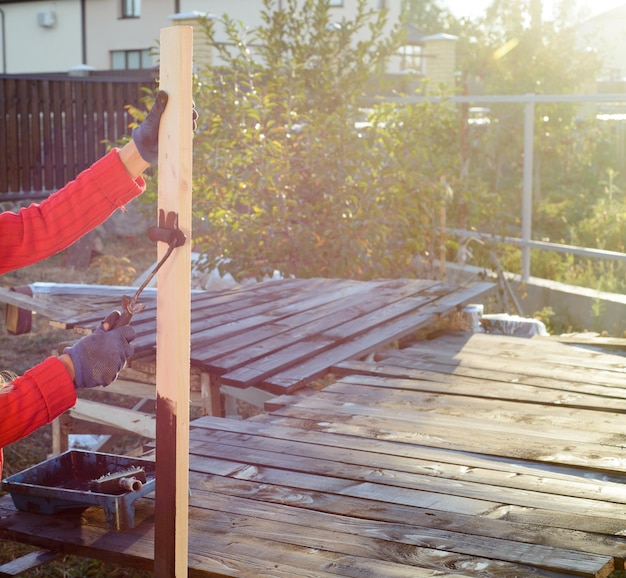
(174, 307)
(466, 455)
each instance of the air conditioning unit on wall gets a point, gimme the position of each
(46, 18)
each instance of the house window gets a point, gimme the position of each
(131, 59)
(411, 58)
(131, 8)
(336, 3)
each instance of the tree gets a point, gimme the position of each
(285, 181)
(514, 49)
(517, 48)
(429, 17)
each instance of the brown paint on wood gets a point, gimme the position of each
(165, 492)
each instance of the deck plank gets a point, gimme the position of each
(461, 495)
(365, 538)
(435, 462)
(371, 340)
(425, 376)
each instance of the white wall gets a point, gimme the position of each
(107, 31)
(33, 48)
(248, 11)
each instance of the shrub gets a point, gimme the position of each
(284, 179)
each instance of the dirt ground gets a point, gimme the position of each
(120, 262)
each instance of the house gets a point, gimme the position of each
(604, 33)
(55, 36)
(431, 56)
(45, 36)
(58, 36)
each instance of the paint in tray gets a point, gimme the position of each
(78, 479)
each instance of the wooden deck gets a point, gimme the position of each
(275, 336)
(463, 455)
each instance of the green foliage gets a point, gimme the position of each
(284, 181)
(596, 218)
(605, 225)
(113, 270)
(517, 51)
(545, 316)
(601, 275)
(514, 50)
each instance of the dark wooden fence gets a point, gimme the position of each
(54, 126)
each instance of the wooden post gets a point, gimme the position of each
(173, 310)
(442, 243)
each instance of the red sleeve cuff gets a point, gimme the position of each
(55, 385)
(110, 176)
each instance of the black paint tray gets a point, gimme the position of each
(64, 483)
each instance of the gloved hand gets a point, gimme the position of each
(100, 356)
(146, 135)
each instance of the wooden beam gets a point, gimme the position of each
(130, 420)
(27, 562)
(173, 310)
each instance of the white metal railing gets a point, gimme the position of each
(530, 100)
(543, 245)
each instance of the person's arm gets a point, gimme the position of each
(48, 389)
(38, 397)
(42, 230)
(66, 360)
(132, 160)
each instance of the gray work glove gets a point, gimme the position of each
(100, 356)
(146, 135)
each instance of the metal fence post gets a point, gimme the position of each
(527, 190)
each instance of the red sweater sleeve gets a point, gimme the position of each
(42, 394)
(41, 230)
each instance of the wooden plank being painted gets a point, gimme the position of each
(173, 310)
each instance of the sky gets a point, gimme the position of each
(473, 8)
